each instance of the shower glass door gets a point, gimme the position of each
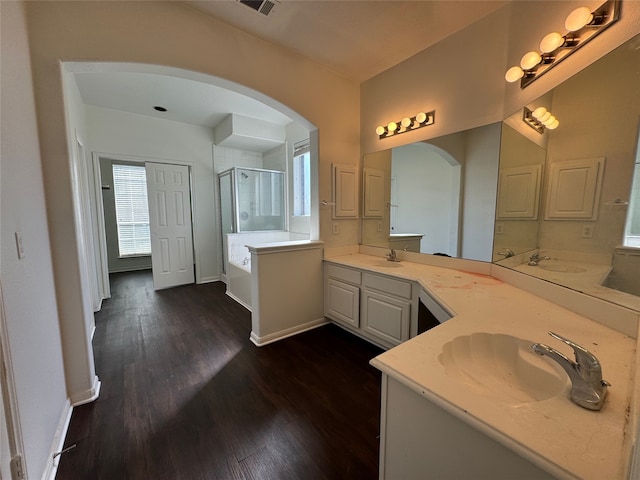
(260, 200)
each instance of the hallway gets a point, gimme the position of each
(186, 395)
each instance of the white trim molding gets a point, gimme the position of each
(289, 332)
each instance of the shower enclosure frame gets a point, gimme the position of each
(234, 209)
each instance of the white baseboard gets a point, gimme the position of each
(231, 295)
(207, 280)
(87, 396)
(289, 332)
(58, 443)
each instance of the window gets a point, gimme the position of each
(301, 179)
(132, 210)
(632, 230)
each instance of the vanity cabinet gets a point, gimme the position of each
(418, 436)
(342, 295)
(386, 308)
(379, 308)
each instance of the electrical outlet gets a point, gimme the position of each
(336, 229)
(379, 226)
(499, 228)
(19, 245)
(587, 231)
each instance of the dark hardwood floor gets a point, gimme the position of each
(186, 395)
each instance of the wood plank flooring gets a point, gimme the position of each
(186, 395)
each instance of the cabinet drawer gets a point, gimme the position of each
(344, 274)
(390, 286)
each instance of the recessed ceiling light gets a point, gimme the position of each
(160, 109)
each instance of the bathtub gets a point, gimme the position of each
(239, 281)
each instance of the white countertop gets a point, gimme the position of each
(555, 434)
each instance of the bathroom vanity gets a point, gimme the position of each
(469, 398)
(382, 308)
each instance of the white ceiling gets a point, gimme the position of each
(186, 101)
(357, 39)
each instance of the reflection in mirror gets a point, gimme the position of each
(434, 197)
(519, 180)
(585, 199)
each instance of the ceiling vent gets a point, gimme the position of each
(261, 6)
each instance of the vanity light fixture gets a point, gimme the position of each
(582, 25)
(407, 124)
(539, 119)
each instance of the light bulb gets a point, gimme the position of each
(406, 122)
(538, 112)
(544, 117)
(421, 117)
(530, 60)
(551, 42)
(513, 74)
(553, 125)
(380, 130)
(549, 120)
(392, 127)
(578, 19)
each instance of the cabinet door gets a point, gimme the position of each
(518, 192)
(574, 189)
(345, 187)
(385, 317)
(342, 302)
(373, 193)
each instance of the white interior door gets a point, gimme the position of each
(170, 224)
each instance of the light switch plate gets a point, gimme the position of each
(19, 245)
(587, 231)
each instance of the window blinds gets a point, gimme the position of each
(132, 210)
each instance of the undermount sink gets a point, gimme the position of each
(502, 367)
(558, 267)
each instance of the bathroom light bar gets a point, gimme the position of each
(582, 25)
(539, 119)
(407, 124)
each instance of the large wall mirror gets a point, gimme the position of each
(435, 197)
(566, 194)
(568, 207)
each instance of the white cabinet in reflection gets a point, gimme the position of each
(519, 192)
(574, 189)
(373, 183)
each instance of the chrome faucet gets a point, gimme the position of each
(507, 253)
(588, 388)
(392, 256)
(535, 259)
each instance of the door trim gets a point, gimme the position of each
(9, 395)
(97, 156)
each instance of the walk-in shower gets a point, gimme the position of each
(251, 200)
